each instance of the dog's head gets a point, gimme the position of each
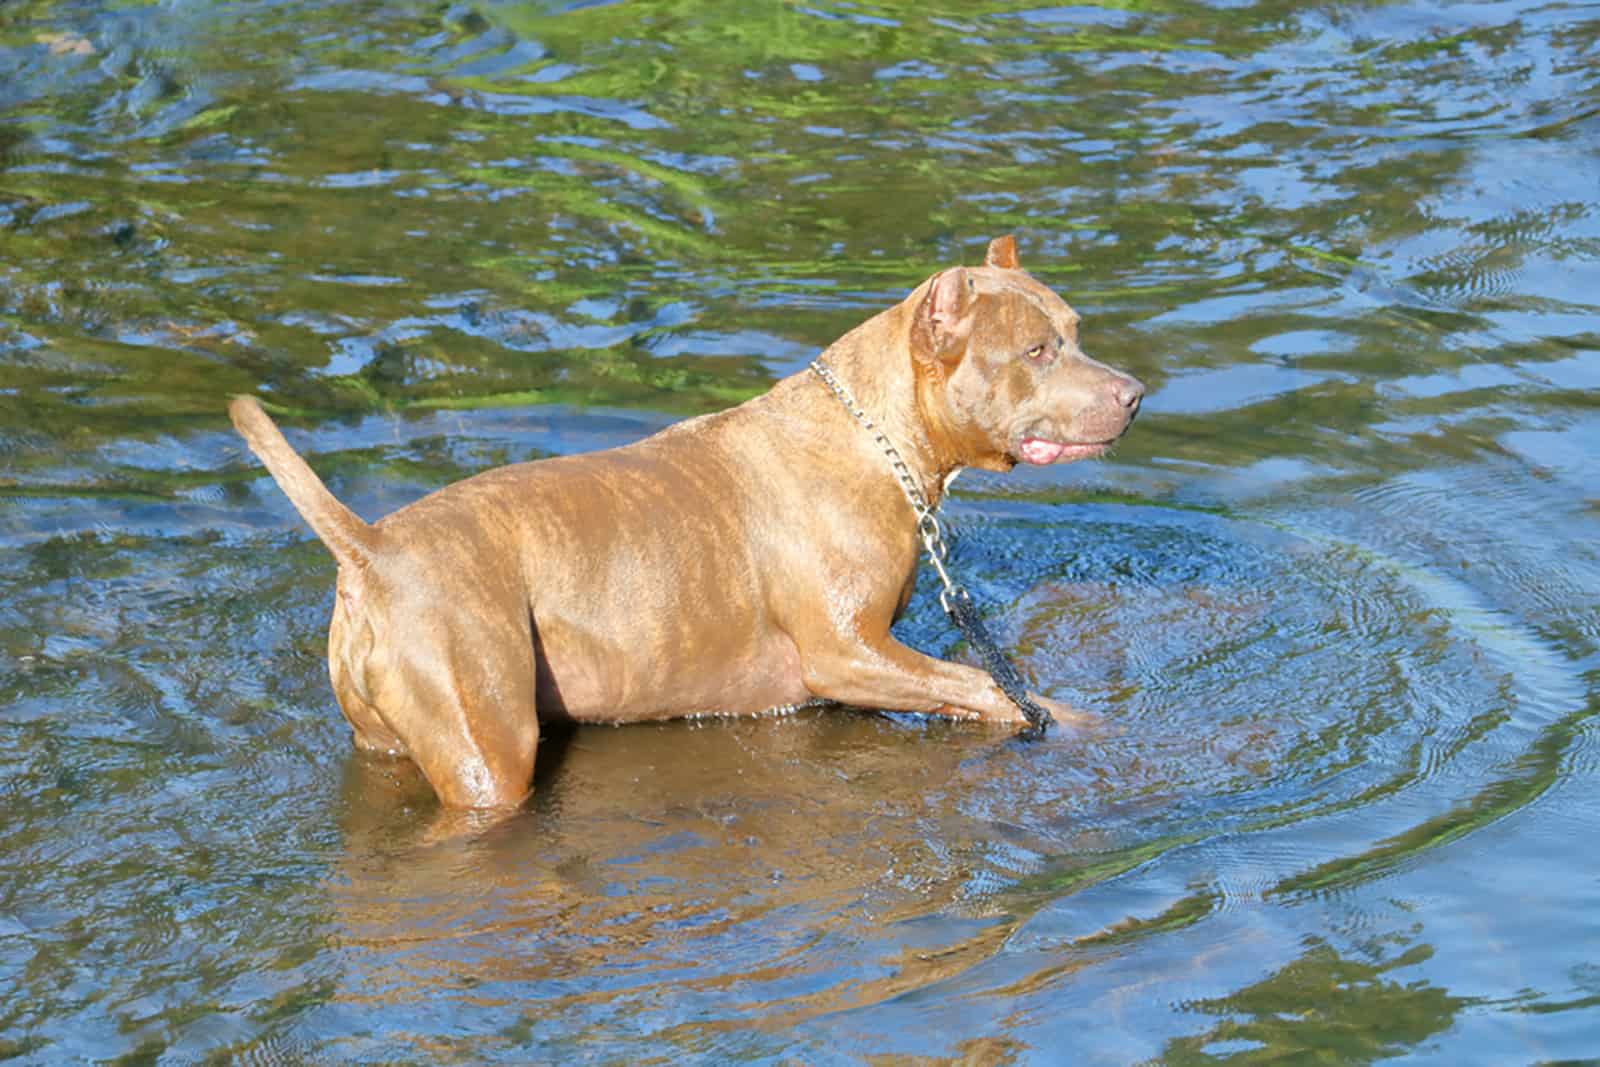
(1000, 375)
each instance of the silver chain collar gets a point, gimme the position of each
(928, 529)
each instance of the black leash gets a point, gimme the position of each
(954, 598)
(959, 605)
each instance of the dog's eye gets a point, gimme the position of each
(1037, 354)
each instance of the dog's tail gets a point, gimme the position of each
(347, 537)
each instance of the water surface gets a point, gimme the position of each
(1336, 592)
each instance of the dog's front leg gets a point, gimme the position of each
(886, 674)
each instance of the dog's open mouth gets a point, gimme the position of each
(1041, 451)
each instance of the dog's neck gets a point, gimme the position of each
(874, 363)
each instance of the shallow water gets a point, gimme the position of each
(1336, 593)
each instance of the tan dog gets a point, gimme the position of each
(731, 563)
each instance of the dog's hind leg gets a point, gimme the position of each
(451, 678)
(469, 721)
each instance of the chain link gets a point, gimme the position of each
(908, 484)
(929, 532)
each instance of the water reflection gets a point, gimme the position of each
(1326, 1005)
(718, 859)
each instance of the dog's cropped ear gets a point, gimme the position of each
(1003, 253)
(944, 318)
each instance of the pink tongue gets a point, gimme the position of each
(1035, 450)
